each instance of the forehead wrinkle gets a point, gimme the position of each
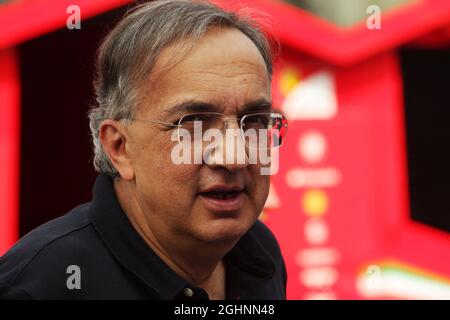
(210, 75)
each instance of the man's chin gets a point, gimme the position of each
(223, 230)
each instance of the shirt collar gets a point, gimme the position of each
(248, 259)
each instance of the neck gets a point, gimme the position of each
(198, 262)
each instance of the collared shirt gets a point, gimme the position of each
(94, 252)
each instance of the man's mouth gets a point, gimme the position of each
(221, 195)
(223, 198)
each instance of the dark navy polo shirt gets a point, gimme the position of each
(114, 262)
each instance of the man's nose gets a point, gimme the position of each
(231, 154)
(231, 123)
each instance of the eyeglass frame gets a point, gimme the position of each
(179, 125)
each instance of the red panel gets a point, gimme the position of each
(364, 215)
(25, 20)
(9, 148)
(345, 46)
(297, 28)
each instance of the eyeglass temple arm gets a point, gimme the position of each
(166, 124)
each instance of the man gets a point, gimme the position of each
(158, 229)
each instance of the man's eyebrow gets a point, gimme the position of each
(190, 106)
(260, 105)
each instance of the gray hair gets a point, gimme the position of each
(127, 55)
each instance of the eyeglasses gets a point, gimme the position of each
(259, 130)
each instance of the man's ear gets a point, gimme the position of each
(113, 138)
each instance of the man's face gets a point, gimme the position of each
(225, 71)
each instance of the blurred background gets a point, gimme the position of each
(361, 203)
